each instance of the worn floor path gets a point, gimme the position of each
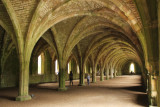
(122, 91)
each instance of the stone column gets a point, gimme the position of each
(152, 93)
(119, 73)
(111, 71)
(82, 75)
(158, 79)
(153, 87)
(62, 75)
(158, 90)
(102, 75)
(0, 64)
(115, 73)
(147, 89)
(0, 75)
(93, 74)
(23, 81)
(107, 74)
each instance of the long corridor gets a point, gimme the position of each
(122, 91)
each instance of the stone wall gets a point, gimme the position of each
(9, 75)
(48, 75)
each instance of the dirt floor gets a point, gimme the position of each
(122, 91)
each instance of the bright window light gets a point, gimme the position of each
(39, 65)
(132, 68)
(56, 67)
(77, 69)
(69, 67)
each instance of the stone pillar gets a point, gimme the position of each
(102, 75)
(152, 93)
(107, 74)
(23, 82)
(147, 89)
(115, 73)
(119, 73)
(158, 82)
(145, 78)
(0, 75)
(93, 74)
(158, 79)
(111, 71)
(82, 75)
(62, 75)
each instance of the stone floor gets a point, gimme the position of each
(122, 91)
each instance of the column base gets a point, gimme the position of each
(82, 84)
(153, 102)
(111, 77)
(62, 89)
(101, 80)
(23, 98)
(107, 78)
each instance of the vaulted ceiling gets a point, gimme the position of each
(108, 32)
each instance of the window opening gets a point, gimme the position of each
(56, 67)
(132, 68)
(39, 64)
(69, 67)
(77, 69)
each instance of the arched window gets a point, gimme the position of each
(56, 67)
(41, 64)
(77, 69)
(132, 68)
(69, 67)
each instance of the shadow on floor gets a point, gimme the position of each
(142, 100)
(8, 98)
(44, 88)
(49, 87)
(135, 88)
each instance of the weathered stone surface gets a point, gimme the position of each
(102, 34)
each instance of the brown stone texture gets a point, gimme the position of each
(98, 37)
